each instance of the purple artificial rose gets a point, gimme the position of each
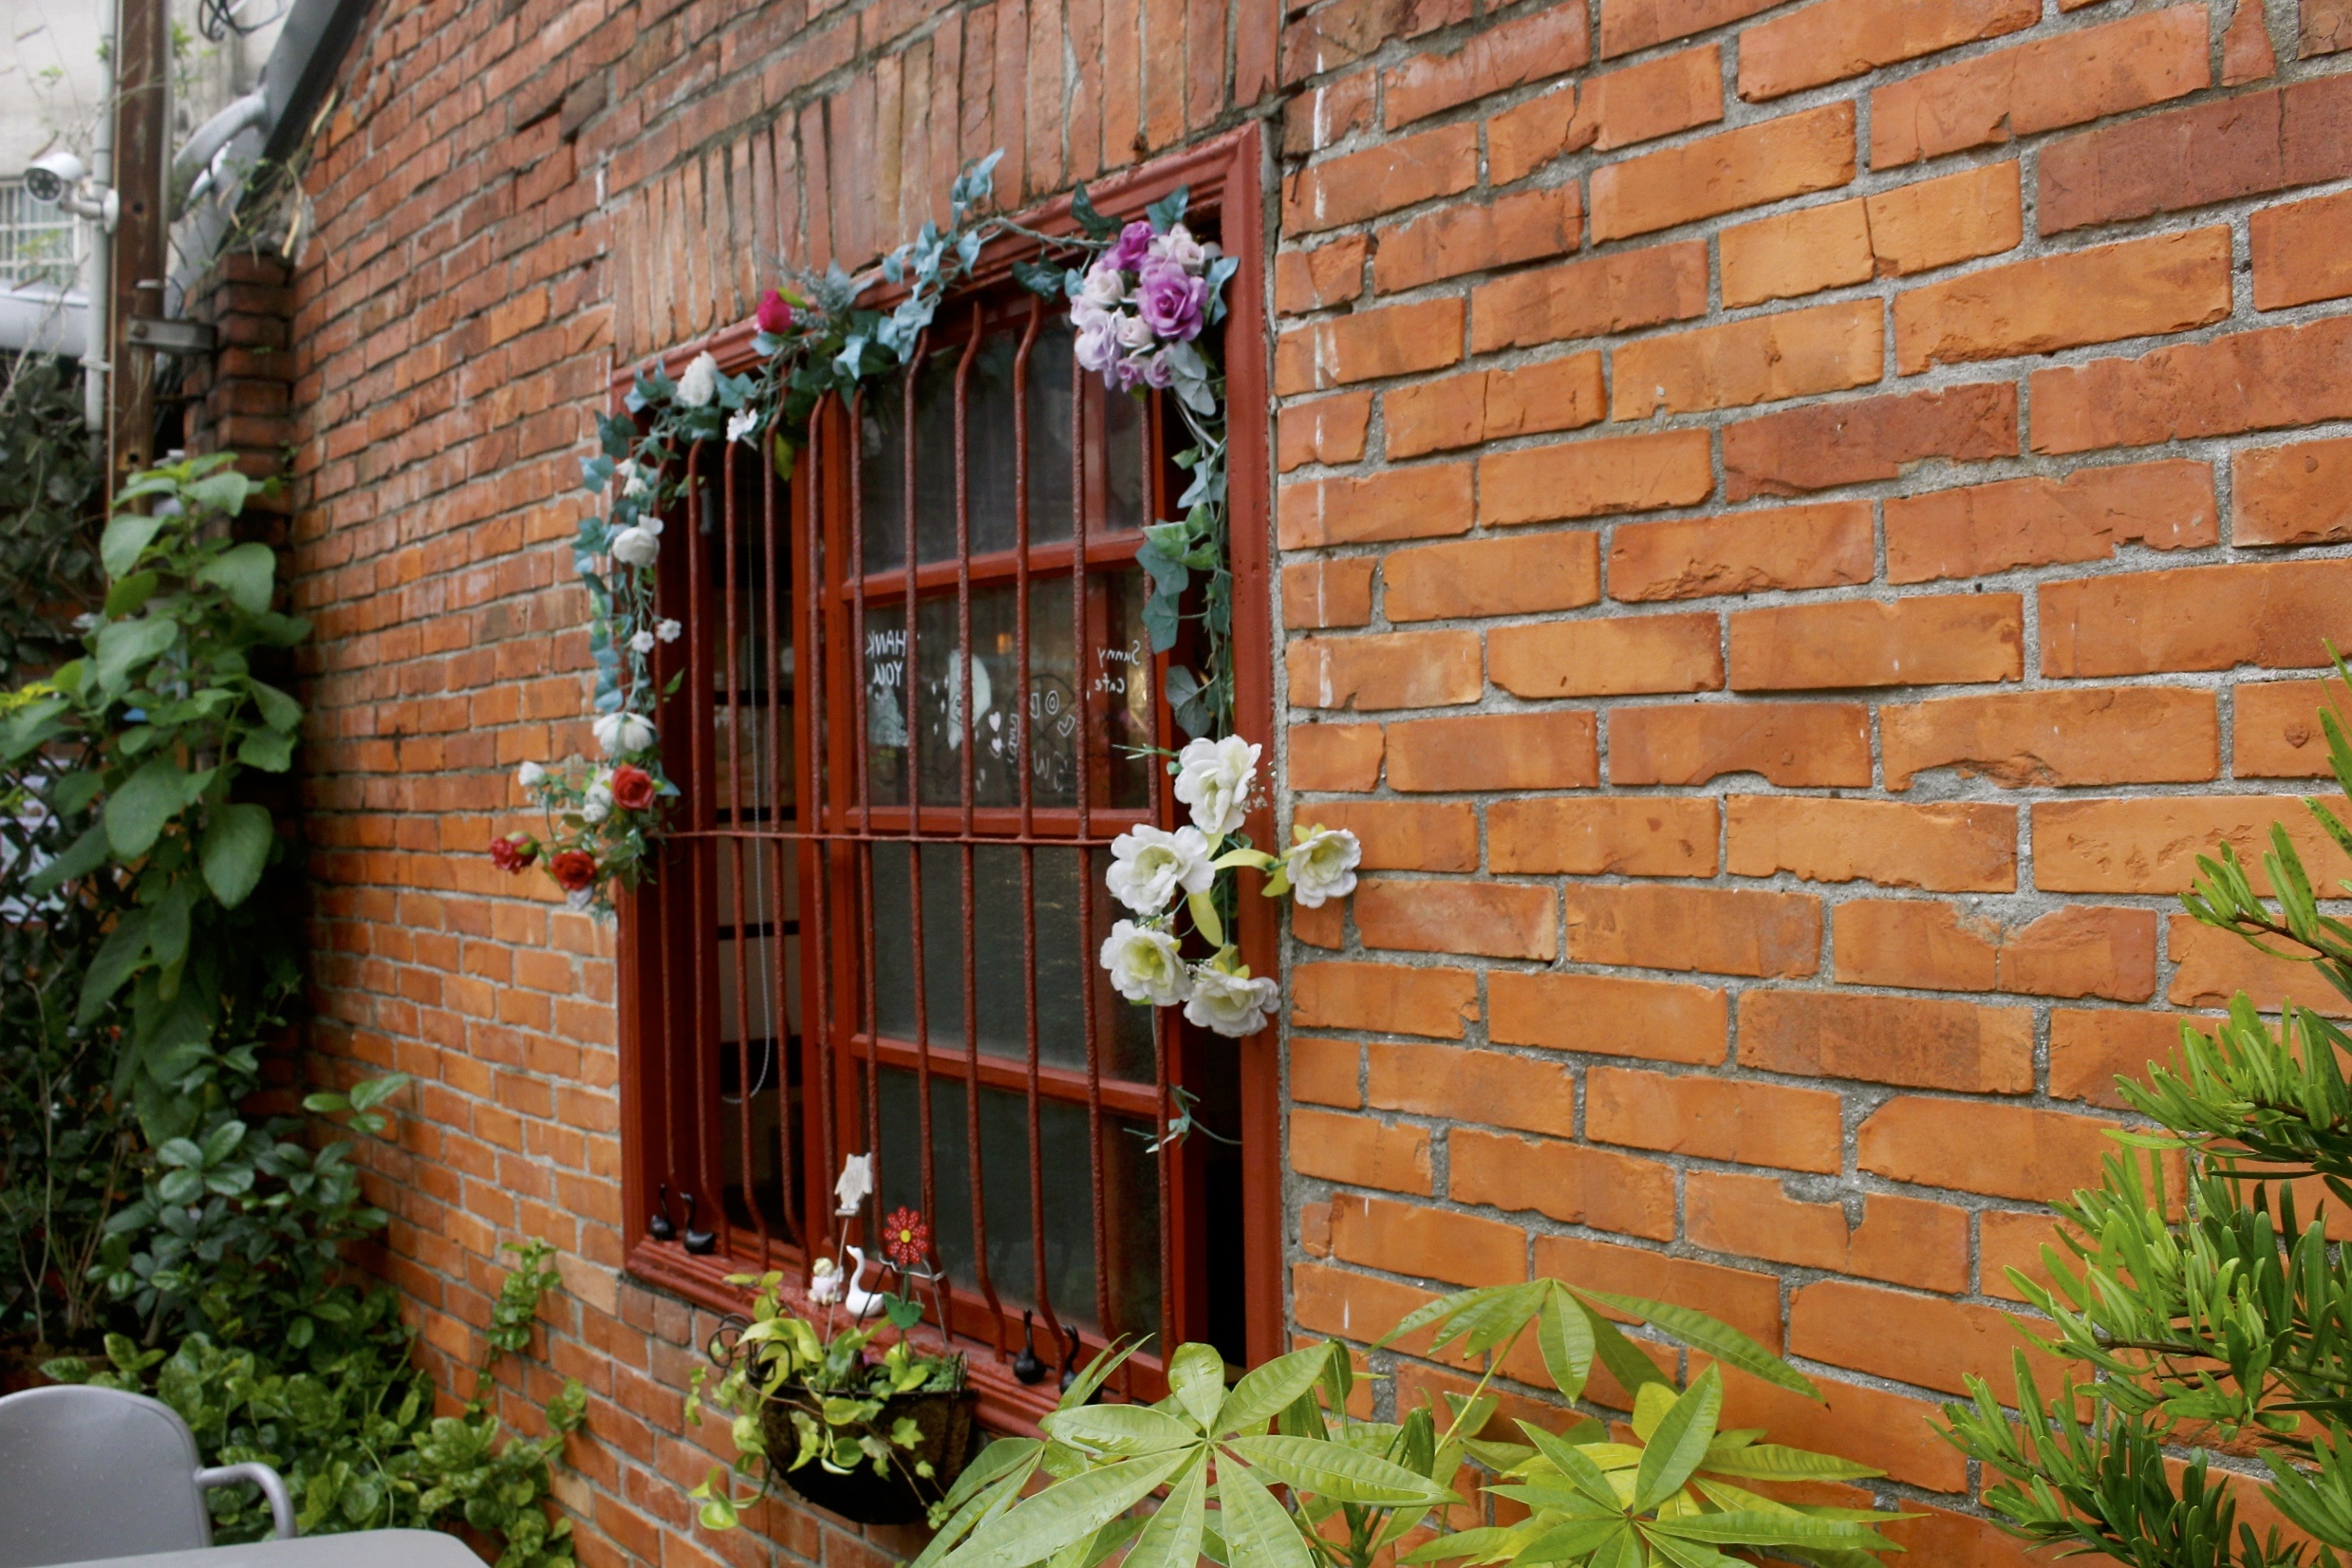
(1134, 244)
(1169, 300)
(1153, 370)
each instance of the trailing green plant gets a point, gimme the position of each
(160, 725)
(51, 506)
(2217, 1313)
(1678, 1494)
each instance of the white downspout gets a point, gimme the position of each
(98, 263)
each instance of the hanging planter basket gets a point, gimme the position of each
(951, 1437)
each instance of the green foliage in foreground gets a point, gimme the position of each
(2216, 1312)
(1677, 1496)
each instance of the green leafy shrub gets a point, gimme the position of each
(51, 500)
(2215, 1316)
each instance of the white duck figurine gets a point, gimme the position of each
(860, 1302)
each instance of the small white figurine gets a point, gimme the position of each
(862, 1304)
(824, 1282)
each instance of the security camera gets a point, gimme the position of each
(52, 175)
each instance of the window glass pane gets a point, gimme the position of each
(935, 458)
(988, 443)
(1050, 417)
(1122, 687)
(943, 943)
(1123, 459)
(882, 477)
(881, 649)
(1130, 1198)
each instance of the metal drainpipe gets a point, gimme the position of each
(98, 265)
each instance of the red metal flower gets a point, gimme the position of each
(514, 854)
(632, 788)
(905, 1240)
(574, 870)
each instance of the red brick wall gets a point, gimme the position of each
(1799, 522)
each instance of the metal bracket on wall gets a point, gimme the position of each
(171, 337)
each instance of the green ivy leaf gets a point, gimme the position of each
(138, 812)
(234, 850)
(126, 538)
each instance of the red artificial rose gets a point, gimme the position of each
(514, 854)
(632, 788)
(905, 1240)
(773, 316)
(574, 870)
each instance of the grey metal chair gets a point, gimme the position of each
(98, 1473)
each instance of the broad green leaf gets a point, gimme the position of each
(84, 855)
(137, 813)
(1095, 1374)
(123, 646)
(1262, 1393)
(1430, 1311)
(1045, 1523)
(234, 850)
(127, 535)
(270, 751)
(1171, 1538)
(1774, 1461)
(1566, 1341)
(123, 951)
(1487, 1543)
(1688, 1554)
(1119, 1429)
(167, 925)
(222, 490)
(1487, 1323)
(1717, 1338)
(131, 592)
(1625, 1361)
(1197, 1377)
(244, 571)
(1258, 1531)
(1340, 1473)
(1680, 1441)
(1572, 1462)
(1571, 1541)
(990, 1484)
(1650, 1408)
(1622, 1550)
(278, 711)
(1762, 1529)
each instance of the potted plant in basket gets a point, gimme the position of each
(875, 1433)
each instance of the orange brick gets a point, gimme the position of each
(1841, 38)
(2275, 730)
(1747, 1300)
(1906, 1041)
(2091, 1048)
(1608, 1015)
(1326, 1072)
(1334, 756)
(1898, 1433)
(2140, 287)
(1503, 751)
(1491, 1088)
(1398, 503)
(1763, 359)
(1630, 24)
(1508, 55)
(1327, 430)
(1880, 642)
(2009, 1240)
(1321, 277)
(1542, 572)
(1958, 216)
(1334, 1301)
(1402, 669)
(1488, 918)
(1612, 836)
(1916, 942)
(1809, 151)
(1393, 340)
(1323, 593)
(2064, 80)
(2083, 952)
(1487, 405)
(1525, 137)
(2280, 615)
(1788, 743)
(1524, 226)
(1653, 99)
(1741, 1123)
(1715, 930)
(2151, 846)
(1324, 926)
(2210, 967)
(1359, 1151)
(2299, 252)
(2263, 379)
(1425, 1242)
(1917, 1340)
(1406, 836)
(1903, 1241)
(1948, 847)
(2086, 516)
(1384, 997)
(2292, 494)
(1382, 179)
(1569, 1183)
(1984, 1146)
(1791, 254)
(1644, 653)
(1591, 479)
(2119, 735)
(1813, 448)
(1793, 546)
(1615, 292)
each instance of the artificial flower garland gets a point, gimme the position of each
(1138, 310)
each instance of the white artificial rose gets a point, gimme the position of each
(668, 631)
(1322, 865)
(1133, 332)
(1149, 865)
(1233, 1005)
(1097, 346)
(1214, 777)
(530, 776)
(635, 547)
(621, 734)
(1145, 965)
(597, 804)
(1103, 287)
(634, 480)
(1179, 245)
(699, 385)
(856, 1183)
(742, 422)
(641, 642)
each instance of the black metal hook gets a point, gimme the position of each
(1070, 1362)
(1026, 1366)
(660, 1224)
(697, 1241)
